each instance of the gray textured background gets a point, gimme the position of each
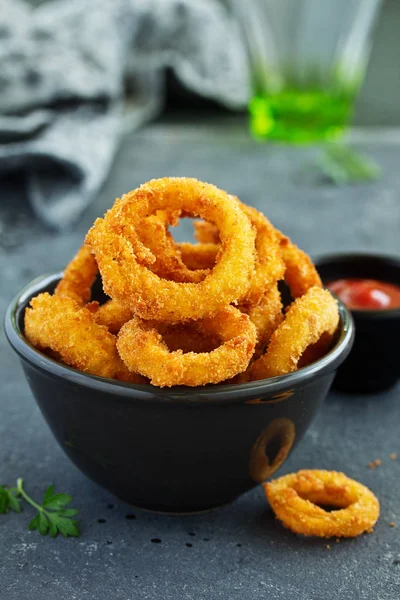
(240, 552)
(379, 100)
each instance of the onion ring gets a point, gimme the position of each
(59, 324)
(76, 283)
(131, 283)
(198, 256)
(315, 351)
(78, 277)
(168, 264)
(294, 499)
(266, 316)
(300, 272)
(206, 232)
(143, 350)
(307, 319)
(188, 337)
(111, 314)
(269, 265)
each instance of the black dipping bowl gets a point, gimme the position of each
(373, 364)
(176, 449)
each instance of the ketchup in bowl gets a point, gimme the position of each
(366, 294)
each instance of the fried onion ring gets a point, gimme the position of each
(316, 351)
(168, 264)
(206, 232)
(266, 316)
(307, 319)
(78, 277)
(131, 283)
(300, 272)
(269, 265)
(143, 350)
(295, 498)
(111, 314)
(61, 325)
(198, 256)
(188, 337)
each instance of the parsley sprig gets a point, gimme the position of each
(52, 515)
(9, 500)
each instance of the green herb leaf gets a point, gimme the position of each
(68, 512)
(4, 501)
(15, 503)
(56, 518)
(53, 529)
(56, 502)
(43, 524)
(48, 494)
(51, 515)
(8, 500)
(35, 523)
(64, 525)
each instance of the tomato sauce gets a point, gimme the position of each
(366, 294)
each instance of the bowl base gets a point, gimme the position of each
(178, 512)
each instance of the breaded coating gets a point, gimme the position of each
(143, 350)
(295, 500)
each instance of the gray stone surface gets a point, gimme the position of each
(241, 551)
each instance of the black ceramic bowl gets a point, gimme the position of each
(373, 363)
(174, 449)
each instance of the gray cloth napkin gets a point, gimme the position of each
(64, 68)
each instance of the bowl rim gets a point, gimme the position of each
(221, 392)
(348, 257)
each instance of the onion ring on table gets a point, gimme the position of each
(143, 350)
(307, 319)
(295, 498)
(78, 277)
(300, 272)
(62, 326)
(111, 314)
(198, 256)
(131, 283)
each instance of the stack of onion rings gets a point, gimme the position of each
(120, 258)
(184, 313)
